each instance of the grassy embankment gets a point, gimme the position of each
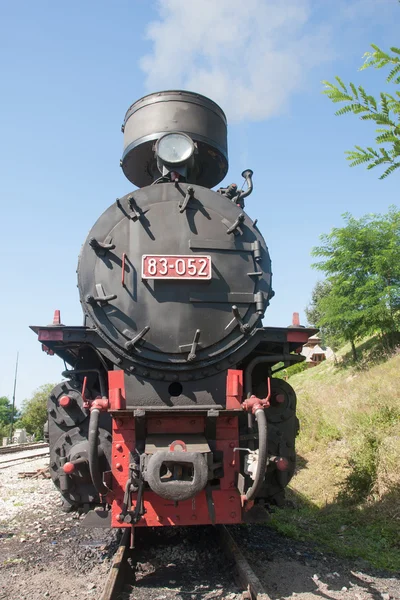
(346, 491)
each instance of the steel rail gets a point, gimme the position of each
(244, 574)
(115, 579)
(19, 460)
(22, 447)
(246, 578)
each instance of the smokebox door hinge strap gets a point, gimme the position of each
(229, 246)
(101, 298)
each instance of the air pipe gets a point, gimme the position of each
(98, 405)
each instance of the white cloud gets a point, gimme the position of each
(250, 56)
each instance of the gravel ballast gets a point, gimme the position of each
(45, 553)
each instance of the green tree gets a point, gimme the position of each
(361, 262)
(5, 410)
(315, 315)
(384, 112)
(6, 416)
(34, 411)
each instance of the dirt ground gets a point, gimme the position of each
(45, 553)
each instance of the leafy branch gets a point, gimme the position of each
(385, 112)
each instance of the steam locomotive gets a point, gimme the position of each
(169, 414)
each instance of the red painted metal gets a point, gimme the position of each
(282, 463)
(50, 335)
(296, 320)
(123, 269)
(168, 266)
(178, 443)
(161, 512)
(234, 389)
(161, 424)
(253, 403)
(47, 350)
(68, 468)
(123, 444)
(65, 401)
(101, 404)
(116, 390)
(297, 336)
(86, 404)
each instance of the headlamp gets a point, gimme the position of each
(174, 149)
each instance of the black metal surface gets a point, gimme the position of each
(156, 114)
(167, 313)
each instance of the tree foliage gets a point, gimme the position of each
(315, 315)
(5, 410)
(361, 292)
(34, 411)
(384, 112)
(6, 416)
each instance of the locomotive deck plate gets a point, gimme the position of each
(171, 266)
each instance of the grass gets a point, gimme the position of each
(346, 490)
(361, 532)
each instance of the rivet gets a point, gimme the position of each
(232, 445)
(233, 515)
(193, 422)
(232, 463)
(118, 466)
(118, 447)
(160, 519)
(232, 484)
(194, 518)
(119, 517)
(231, 498)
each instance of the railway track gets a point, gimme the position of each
(245, 577)
(16, 459)
(22, 447)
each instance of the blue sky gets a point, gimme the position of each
(70, 70)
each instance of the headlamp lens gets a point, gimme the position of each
(174, 148)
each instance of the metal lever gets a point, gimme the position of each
(236, 224)
(244, 328)
(96, 245)
(100, 299)
(184, 203)
(132, 343)
(134, 215)
(192, 353)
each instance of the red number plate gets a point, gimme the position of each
(167, 266)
